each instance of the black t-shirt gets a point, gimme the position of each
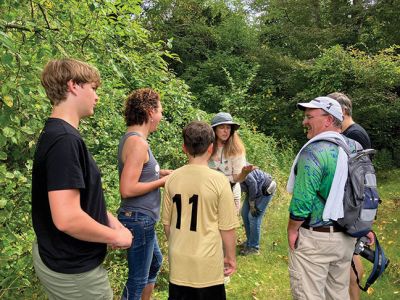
(63, 162)
(357, 133)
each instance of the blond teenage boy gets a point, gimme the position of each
(69, 214)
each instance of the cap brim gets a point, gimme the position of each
(234, 125)
(303, 106)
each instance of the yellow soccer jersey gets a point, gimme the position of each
(198, 203)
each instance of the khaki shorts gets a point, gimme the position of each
(319, 266)
(89, 285)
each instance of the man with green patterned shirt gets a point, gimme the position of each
(320, 253)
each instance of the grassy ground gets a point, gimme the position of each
(266, 276)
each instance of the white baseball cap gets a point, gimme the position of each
(331, 106)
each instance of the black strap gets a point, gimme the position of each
(358, 279)
(322, 199)
(380, 264)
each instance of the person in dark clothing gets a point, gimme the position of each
(69, 215)
(356, 132)
(259, 188)
(350, 128)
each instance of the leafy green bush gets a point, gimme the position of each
(372, 82)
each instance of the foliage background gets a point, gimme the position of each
(255, 59)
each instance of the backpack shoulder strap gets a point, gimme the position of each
(339, 143)
(359, 150)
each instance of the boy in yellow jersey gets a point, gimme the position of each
(199, 220)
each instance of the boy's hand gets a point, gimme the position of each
(229, 266)
(123, 238)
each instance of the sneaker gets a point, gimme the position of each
(249, 251)
(242, 245)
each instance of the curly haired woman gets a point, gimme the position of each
(140, 182)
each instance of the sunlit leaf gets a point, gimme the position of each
(3, 203)
(8, 100)
(3, 155)
(27, 130)
(8, 132)
(370, 291)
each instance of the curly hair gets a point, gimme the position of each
(138, 105)
(58, 72)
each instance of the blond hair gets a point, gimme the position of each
(58, 72)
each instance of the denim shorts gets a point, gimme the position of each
(144, 256)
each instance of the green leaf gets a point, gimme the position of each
(169, 43)
(3, 203)
(3, 141)
(8, 132)
(10, 175)
(6, 41)
(7, 59)
(8, 100)
(3, 155)
(27, 130)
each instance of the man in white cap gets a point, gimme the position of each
(319, 252)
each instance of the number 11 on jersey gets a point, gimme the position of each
(177, 199)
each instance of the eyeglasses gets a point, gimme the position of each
(309, 117)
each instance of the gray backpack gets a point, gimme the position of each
(361, 199)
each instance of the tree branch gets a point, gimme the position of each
(84, 41)
(32, 11)
(19, 27)
(24, 28)
(44, 16)
(287, 17)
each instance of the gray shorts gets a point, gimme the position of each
(89, 285)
